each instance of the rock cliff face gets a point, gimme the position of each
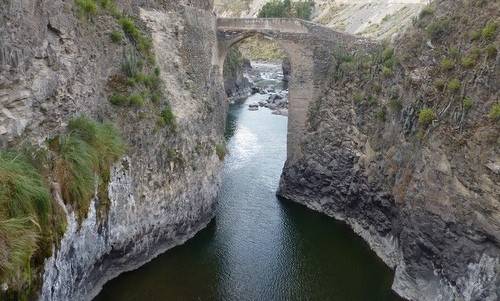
(423, 192)
(236, 83)
(55, 65)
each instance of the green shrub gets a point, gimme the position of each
(131, 64)
(387, 72)
(86, 150)
(116, 36)
(467, 103)
(468, 62)
(111, 8)
(454, 85)
(475, 35)
(495, 112)
(26, 216)
(128, 26)
(140, 78)
(143, 44)
(303, 9)
(447, 64)
(287, 9)
(86, 8)
(471, 59)
(426, 117)
(275, 9)
(491, 51)
(167, 117)
(136, 100)
(220, 150)
(489, 31)
(439, 28)
(119, 100)
(106, 4)
(23, 193)
(19, 240)
(152, 81)
(104, 138)
(74, 172)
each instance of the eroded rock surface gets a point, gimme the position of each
(424, 196)
(55, 65)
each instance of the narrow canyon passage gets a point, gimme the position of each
(259, 247)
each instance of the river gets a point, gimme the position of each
(259, 247)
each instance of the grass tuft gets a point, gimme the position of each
(489, 31)
(454, 85)
(84, 156)
(86, 8)
(167, 117)
(494, 113)
(426, 117)
(447, 64)
(116, 36)
(25, 207)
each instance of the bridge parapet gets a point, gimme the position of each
(281, 25)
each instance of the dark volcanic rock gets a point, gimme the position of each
(424, 196)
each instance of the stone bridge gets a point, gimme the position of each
(311, 49)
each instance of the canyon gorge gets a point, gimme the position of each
(113, 137)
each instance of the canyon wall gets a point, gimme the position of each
(404, 146)
(56, 64)
(236, 84)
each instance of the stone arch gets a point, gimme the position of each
(310, 48)
(300, 86)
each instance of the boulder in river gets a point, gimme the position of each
(253, 107)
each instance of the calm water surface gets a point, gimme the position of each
(260, 247)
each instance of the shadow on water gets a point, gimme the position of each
(259, 247)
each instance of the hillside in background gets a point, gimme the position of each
(372, 18)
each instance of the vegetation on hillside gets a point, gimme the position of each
(287, 9)
(450, 54)
(139, 83)
(31, 222)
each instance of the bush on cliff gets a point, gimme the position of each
(426, 117)
(495, 112)
(84, 156)
(167, 118)
(25, 205)
(86, 8)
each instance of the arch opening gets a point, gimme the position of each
(257, 63)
